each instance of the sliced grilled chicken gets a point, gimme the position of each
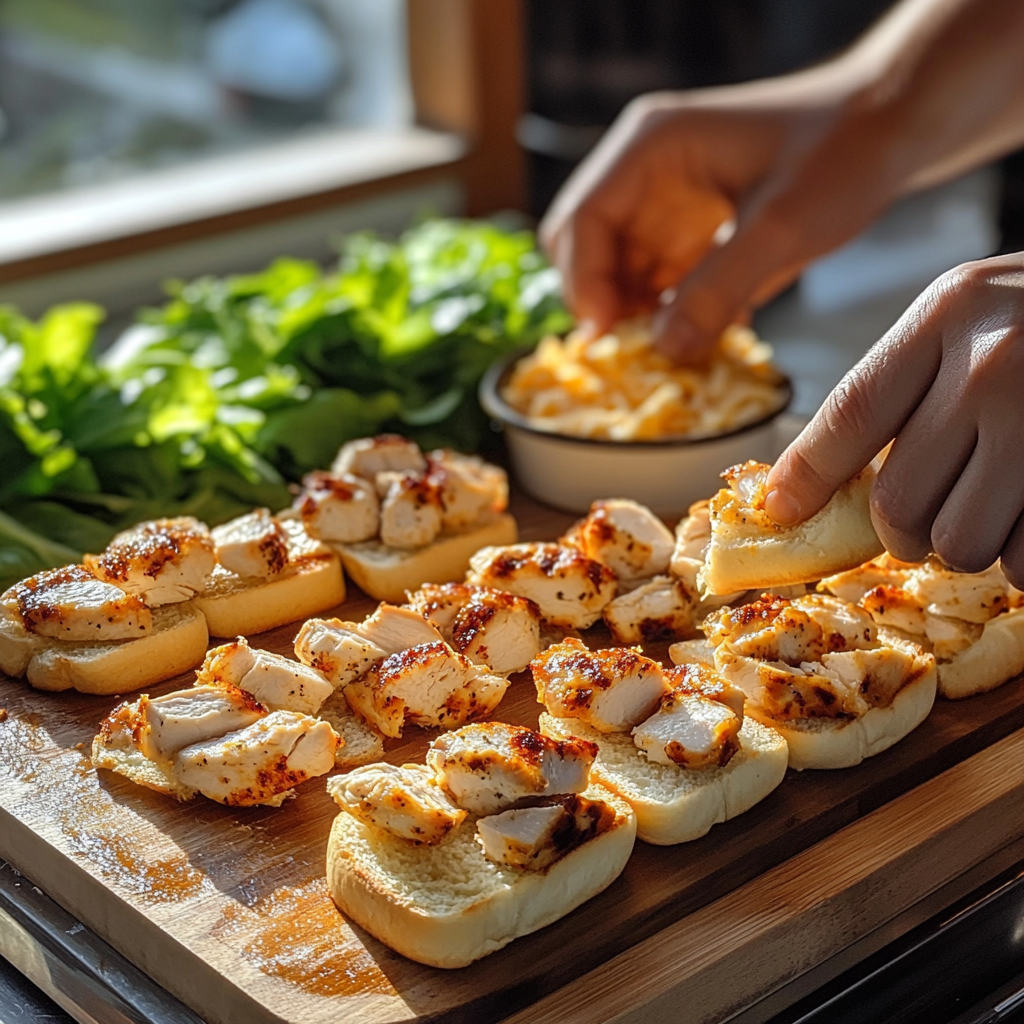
(611, 690)
(430, 685)
(71, 604)
(162, 561)
(689, 730)
(973, 597)
(441, 602)
(627, 537)
(252, 545)
(570, 589)
(275, 681)
(406, 801)
(535, 837)
(777, 629)
(469, 488)
(190, 716)
(490, 767)
(339, 509)
(693, 536)
(336, 650)
(876, 675)
(262, 761)
(702, 679)
(856, 583)
(386, 453)
(410, 513)
(393, 629)
(662, 609)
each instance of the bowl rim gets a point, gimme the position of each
(489, 393)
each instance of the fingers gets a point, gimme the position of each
(1012, 558)
(583, 249)
(867, 409)
(982, 509)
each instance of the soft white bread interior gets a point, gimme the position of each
(675, 804)
(176, 643)
(829, 743)
(387, 573)
(363, 743)
(243, 605)
(997, 656)
(448, 905)
(748, 551)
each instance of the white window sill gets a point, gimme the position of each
(305, 166)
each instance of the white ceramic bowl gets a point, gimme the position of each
(667, 476)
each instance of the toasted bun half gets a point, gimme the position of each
(363, 744)
(177, 643)
(674, 804)
(749, 552)
(243, 605)
(448, 905)
(387, 573)
(826, 743)
(995, 658)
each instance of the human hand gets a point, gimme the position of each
(947, 382)
(799, 164)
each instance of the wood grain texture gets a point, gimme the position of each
(228, 908)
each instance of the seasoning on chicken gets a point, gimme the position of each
(611, 690)
(278, 682)
(689, 730)
(69, 603)
(393, 629)
(700, 678)
(260, 763)
(535, 837)
(339, 509)
(627, 537)
(386, 453)
(406, 801)
(469, 488)
(570, 589)
(336, 650)
(662, 609)
(179, 719)
(491, 627)
(855, 583)
(252, 545)
(429, 685)
(410, 513)
(162, 561)
(693, 536)
(493, 766)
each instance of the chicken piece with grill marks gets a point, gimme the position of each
(386, 453)
(70, 603)
(429, 685)
(690, 730)
(570, 589)
(490, 767)
(469, 488)
(253, 545)
(627, 537)
(410, 510)
(611, 690)
(260, 763)
(405, 801)
(163, 561)
(661, 609)
(336, 650)
(338, 509)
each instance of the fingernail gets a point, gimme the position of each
(782, 508)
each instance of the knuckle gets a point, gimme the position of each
(847, 410)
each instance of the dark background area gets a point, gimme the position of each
(588, 58)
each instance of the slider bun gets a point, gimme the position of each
(744, 556)
(447, 905)
(387, 573)
(241, 605)
(176, 644)
(674, 804)
(827, 743)
(997, 656)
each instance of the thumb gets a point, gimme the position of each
(741, 272)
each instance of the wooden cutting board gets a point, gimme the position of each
(228, 908)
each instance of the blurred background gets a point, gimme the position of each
(142, 141)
